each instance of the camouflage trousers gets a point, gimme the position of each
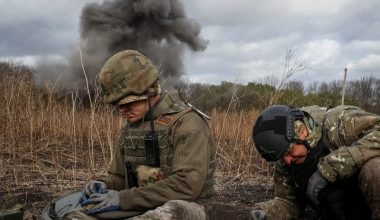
(369, 181)
(172, 210)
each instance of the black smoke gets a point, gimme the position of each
(159, 29)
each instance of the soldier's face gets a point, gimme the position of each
(298, 152)
(296, 155)
(134, 111)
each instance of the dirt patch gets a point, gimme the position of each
(234, 196)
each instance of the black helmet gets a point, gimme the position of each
(274, 131)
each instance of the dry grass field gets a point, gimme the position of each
(51, 144)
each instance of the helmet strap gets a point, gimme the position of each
(150, 112)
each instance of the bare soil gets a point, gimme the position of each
(34, 188)
(236, 196)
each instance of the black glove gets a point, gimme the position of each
(258, 214)
(316, 183)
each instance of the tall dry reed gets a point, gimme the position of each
(51, 143)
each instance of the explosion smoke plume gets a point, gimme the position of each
(159, 29)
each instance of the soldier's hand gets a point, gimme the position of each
(258, 214)
(95, 187)
(106, 202)
(83, 197)
(316, 183)
(92, 187)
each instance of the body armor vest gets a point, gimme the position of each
(131, 140)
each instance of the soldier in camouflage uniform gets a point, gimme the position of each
(138, 184)
(327, 158)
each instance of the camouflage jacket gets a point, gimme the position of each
(353, 137)
(189, 157)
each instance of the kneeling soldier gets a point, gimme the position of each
(164, 161)
(328, 158)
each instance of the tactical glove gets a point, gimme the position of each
(258, 214)
(316, 183)
(95, 187)
(91, 188)
(106, 202)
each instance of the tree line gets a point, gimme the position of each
(364, 93)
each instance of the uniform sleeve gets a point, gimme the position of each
(285, 205)
(356, 135)
(115, 178)
(189, 168)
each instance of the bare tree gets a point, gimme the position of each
(336, 86)
(295, 85)
(323, 88)
(273, 91)
(364, 91)
(312, 88)
(377, 92)
(291, 66)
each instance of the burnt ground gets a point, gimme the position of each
(234, 195)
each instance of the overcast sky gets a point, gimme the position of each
(248, 39)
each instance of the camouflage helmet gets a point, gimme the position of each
(126, 76)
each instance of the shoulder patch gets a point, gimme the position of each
(164, 120)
